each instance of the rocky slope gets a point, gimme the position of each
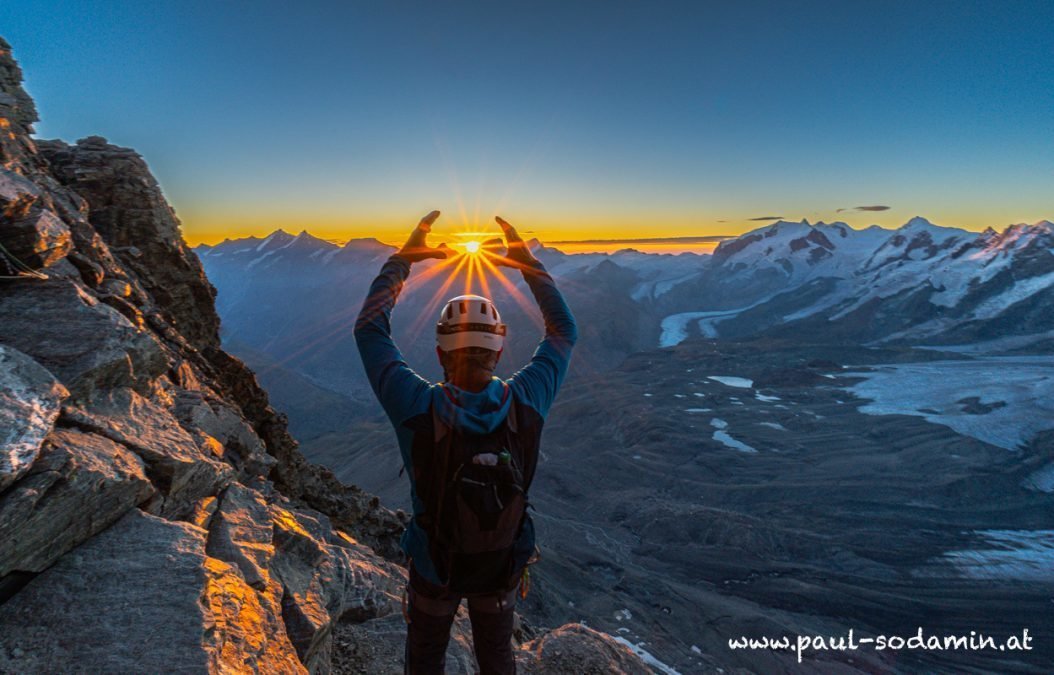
(155, 513)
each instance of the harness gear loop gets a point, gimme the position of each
(525, 582)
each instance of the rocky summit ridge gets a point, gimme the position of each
(155, 513)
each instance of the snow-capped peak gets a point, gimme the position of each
(277, 238)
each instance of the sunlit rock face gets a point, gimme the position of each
(144, 476)
(155, 513)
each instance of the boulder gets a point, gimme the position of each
(241, 533)
(87, 345)
(33, 235)
(30, 398)
(89, 482)
(175, 462)
(575, 648)
(129, 211)
(322, 574)
(143, 597)
(211, 416)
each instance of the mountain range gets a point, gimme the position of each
(288, 301)
(917, 283)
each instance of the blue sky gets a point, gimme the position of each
(578, 119)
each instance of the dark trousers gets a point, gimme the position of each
(431, 610)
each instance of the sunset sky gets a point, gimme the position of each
(573, 120)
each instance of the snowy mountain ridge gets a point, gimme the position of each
(918, 281)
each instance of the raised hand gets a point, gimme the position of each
(517, 253)
(416, 247)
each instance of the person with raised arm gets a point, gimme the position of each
(469, 445)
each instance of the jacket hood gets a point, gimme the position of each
(473, 412)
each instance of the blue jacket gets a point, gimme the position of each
(407, 398)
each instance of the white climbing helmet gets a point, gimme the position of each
(470, 321)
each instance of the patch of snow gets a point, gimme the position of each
(623, 615)
(718, 423)
(675, 326)
(774, 425)
(695, 410)
(647, 394)
(1024, 383)
(646, 657)
(257, 261)
(762, 397)
(276, 235)
(730, 381)
(696, 650)
(1021, 290)
(1025, 555)
(723, 437)
(679, 396)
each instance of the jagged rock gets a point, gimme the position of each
(129, 211)
(34, 235)
(143, 596)
(223, 423)
(324, 582)
(160, 417)
(30, 398)
(79, 485)
(86, 344)
(575, 648)
(323, 575)
(241, 533)
(175, 462)
(18, 194)
(349, 508)
(16, 107)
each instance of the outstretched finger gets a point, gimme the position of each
(426, 222)
(509, 230)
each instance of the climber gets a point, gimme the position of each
(469, 445)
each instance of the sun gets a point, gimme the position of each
(472, 246)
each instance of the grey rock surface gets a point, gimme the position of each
(78, 486)
(142, 597)
(30, 398)
(88, 345)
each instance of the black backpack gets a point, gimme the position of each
(474, 490)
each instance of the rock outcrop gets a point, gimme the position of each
(155, 513)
